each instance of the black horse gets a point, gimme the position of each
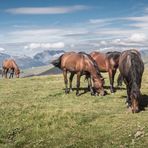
(131, 68)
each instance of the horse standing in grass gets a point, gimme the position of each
(79, 64)
(131, 68)
(107, 62)
(10, 65)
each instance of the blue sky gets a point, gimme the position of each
(31, 26)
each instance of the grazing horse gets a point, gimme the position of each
(77, 63)
(107, 62)
(131, 68)
(10, 65)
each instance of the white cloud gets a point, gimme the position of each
(136, 37)
(97, 21)
(47, 10)
(32, 32)
(45, 45)
(126, 32)
(103, 43)
(2, 49)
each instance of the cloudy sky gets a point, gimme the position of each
(31, 26)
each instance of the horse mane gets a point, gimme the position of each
(136, 70)
(93, 61)
(135, 62)
(113, 54)
(15, 65)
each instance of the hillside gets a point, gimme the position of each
(35, 112)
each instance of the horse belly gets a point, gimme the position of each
(69, 66)
(101, 63)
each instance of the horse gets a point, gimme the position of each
(79, 64)
(107, 62)
(131, 68)
(10, 65)
(87, 76)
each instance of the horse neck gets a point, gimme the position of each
(92, 67)
(15, 66)
(94, 72)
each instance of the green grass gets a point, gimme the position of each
(35, 112)
(36, 70)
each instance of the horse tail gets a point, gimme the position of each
(57, 62)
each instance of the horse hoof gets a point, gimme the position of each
(70, 90)
(96, 94)
(112, 91)
(92, 94)
(66, 91)
(77, 94)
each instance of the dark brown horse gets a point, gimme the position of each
(11, 66)
(79, 64)
(107, 62)
(131, 68)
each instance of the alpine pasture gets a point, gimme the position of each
(35, 112)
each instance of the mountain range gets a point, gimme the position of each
(40, 59)
(45, 57)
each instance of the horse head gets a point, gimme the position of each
(135, 97)
(17, 73)
(99, 85)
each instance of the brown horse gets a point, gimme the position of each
(107, 62)
(79, 64)
(10, 65)
(131, 68)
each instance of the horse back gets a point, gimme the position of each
(72, 61)
(113, 58)
(8, 63)
(101, 60)
(131, 64)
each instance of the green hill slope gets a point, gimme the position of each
(35, 112)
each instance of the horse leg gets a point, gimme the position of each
(11, 71)
(6, 71)
(78, 83)
(128, 99)
(119, 80)
(70, 81)
(12, 74)
(65, 80)
(90, 85)
(3, 72)
(111, 78)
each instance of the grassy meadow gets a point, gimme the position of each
(35, 112)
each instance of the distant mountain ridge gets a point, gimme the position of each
(45, 57)
(40, 59)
